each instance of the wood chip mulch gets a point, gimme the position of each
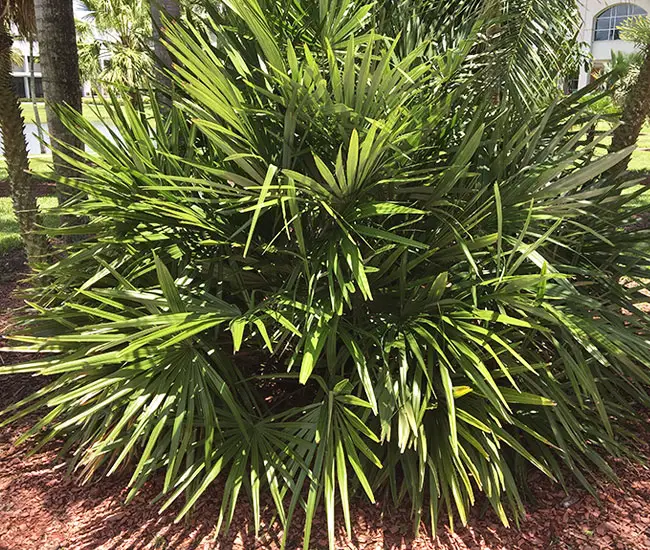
(42, 508)
(39, 187)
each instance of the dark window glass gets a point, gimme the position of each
(38, 86)
(602, 23)
(19, 86)
(601, 35)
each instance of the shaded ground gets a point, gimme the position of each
(41, 188)
(43, 509)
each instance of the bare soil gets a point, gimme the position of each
(42, 508)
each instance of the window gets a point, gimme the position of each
(607, 23)
(19, 86)
(17, 62)
(38, 86)
(37, 63)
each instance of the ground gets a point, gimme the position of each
(41, 508)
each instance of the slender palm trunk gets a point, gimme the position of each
(171, 10)
(12, 127)
(32, 93)
(635, 112)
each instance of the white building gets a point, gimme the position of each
(601, 19)
(20, 71)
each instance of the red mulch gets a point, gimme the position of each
(43, 509)
(41, 188)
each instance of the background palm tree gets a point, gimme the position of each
(636, 104)
(60, 68)
(89, 51)
(21, 14)
(121, 42)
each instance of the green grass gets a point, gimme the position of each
(9, 236)
(39, 164)
(641, 158)
(91, 111)
(639, 165)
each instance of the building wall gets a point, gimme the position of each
(601, 50)
(20, 73)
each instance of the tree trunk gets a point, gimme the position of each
(32, 93)
(60, 69)
(12, 127)
(171, 10)
(635, 112)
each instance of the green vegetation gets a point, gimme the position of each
(349, 262)
(9, 235)
(128, 24)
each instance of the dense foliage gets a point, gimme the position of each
(345, 264)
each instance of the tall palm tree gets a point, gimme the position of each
(60, 68)
(12, 125)
(160, 9)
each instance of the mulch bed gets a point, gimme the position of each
(41, 508)
(41, 188)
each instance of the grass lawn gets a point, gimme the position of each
(39, 164)
(639, 165)
(9, 236)
(90, 110)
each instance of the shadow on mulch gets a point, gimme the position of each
(42, 508)
(41, 189)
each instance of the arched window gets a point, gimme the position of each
(607, 22)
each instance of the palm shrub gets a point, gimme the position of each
(340, 270)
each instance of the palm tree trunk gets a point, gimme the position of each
(12, 127)
(171, 10)
(32, 93)
(61, 81)
(635, 112)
